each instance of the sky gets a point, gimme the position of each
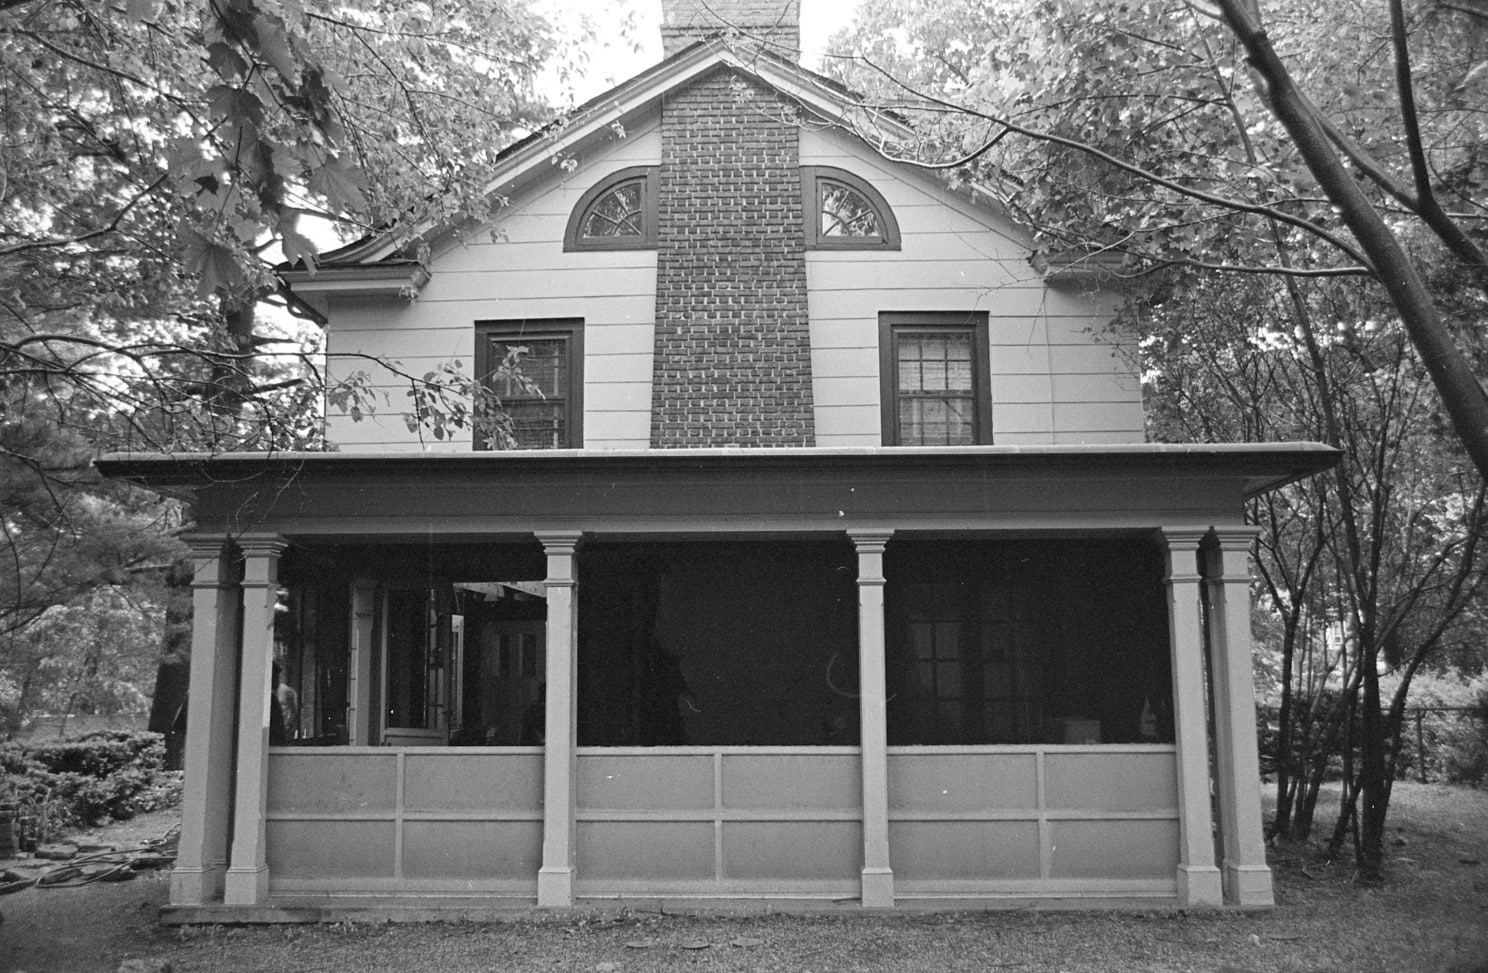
(614, 62)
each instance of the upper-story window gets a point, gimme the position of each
(535, 370)
(617, 213)
(843, 212)
(936, 379)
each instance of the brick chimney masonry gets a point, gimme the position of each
(733, 348)
(774, 23)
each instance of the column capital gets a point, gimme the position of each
(1181, 553)
(558, 541)
(870, 541)
(1182, 538)
(205, 546)
(1237, 537)
(261, 545)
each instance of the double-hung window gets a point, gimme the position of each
(936, 385)
(533, 370)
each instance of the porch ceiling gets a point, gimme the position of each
(486, 494)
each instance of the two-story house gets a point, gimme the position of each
(826, 562)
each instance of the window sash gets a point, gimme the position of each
(936, 392)
(542, 400)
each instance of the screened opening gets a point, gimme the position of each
(718, 644)
(310, 655)
(1060, 642)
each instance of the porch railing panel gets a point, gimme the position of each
(1033, 820)
(414, 820)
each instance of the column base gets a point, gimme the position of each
(246, 886)
(878, 888)
(196, 886)
(555, 888)
(1248, 886)
(1200, 885)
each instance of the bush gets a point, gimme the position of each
(110, 774)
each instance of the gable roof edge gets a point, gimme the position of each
(811, 91)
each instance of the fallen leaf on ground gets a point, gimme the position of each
(746, 942)
(695, 944)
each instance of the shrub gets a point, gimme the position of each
(110, 774)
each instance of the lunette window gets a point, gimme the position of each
(844, 212)
(616, 213)
(936, 381)
(534, 370)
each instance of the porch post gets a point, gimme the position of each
(1247, 879)
(555, 879)
(248, 875)
(1198, 878)
(362, 731)
(201, 856)
(878, 876)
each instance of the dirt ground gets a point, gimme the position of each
(1430, 915)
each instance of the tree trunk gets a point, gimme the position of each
(1451, 373)
(173, 676)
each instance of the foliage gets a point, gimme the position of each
(159, 155)
(112, 774)
(1131, 130)
(1454, 740)
(1266, 291)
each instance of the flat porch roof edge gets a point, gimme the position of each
(1266, 465)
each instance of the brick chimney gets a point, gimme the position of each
(733, 347)
(776, 24)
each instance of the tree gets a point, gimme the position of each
(159, 156)
(1124, 134)
(1104, 124)
(161, 153)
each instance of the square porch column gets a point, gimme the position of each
(1247, 879)
(1198, 877)
(878, 876)
(201, 857)
(248, 875)
(555, 879)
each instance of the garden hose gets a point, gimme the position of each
(101, 866)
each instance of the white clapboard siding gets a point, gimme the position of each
(523, 274)
(1055, 376)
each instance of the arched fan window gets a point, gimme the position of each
(843, 212)
(617, 213)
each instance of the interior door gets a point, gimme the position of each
(415, 684)
(513, 668)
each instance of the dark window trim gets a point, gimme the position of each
(570, 329)
(981, 365)
(647, 240)
(811, 180)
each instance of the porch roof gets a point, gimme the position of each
(490, 495)
(1263, 466)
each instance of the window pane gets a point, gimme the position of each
(846, 214)
(616, 214)
(921, 634)
(530, 377)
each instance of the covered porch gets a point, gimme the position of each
(899, 677)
